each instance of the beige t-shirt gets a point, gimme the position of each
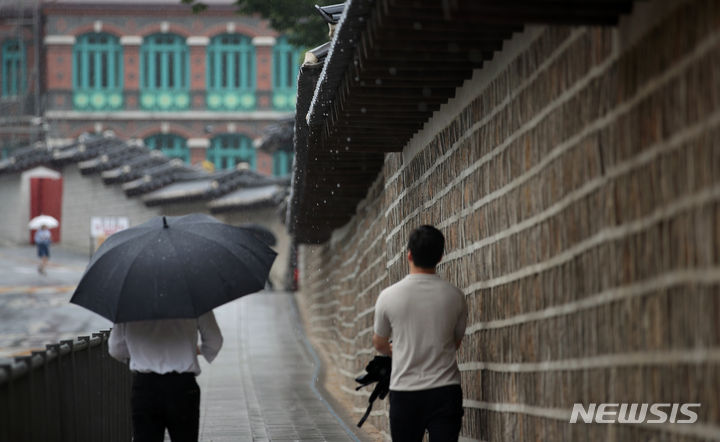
(424, 316)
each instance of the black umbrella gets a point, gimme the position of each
(262, 232)
(174, 267)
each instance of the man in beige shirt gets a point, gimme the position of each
(425, 318)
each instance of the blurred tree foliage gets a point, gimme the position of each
(296, 19)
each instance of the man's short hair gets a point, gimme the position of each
(426, 244)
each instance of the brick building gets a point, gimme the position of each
(569, 152)
(20, 86)
(200, 87)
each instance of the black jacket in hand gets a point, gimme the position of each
(377, 370)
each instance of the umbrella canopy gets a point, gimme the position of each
(43, 220)
(174, 267)
(262, 232)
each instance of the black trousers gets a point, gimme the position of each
(439, 410)
(169, 401)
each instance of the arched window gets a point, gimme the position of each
(173, 146)
(282, 162)
(231, 73)
(228, 150)
(13, 68)
(164, 73)
(286, 64)
(97, 72)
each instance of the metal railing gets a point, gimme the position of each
(72, 391)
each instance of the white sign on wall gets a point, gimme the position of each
(104, 226)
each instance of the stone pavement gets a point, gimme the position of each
(261, 386)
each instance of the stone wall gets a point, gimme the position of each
(87, 196)
(577, 180)
(15, 212)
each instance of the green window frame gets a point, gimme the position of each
(97, 72)
(228, 150)
(173, 146)
(282, 162)
(14, 80)
(164, 73)
(231, 74)
(286, 65)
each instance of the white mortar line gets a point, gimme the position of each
(567, 95)
(604, 236)
(642, 93)
(324, 305)
(352, 391)
(486, 76)
(636, 162)
(660, 282)
(705, 431)
(666, 357)
(372, 413)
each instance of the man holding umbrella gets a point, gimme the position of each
(163, 359)
(158, 282)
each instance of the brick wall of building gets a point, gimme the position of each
(577, 181)
(64, 25)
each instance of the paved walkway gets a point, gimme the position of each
(260, 387)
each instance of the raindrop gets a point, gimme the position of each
(338, 184)
(378, 82)
(346, 148)
(417, 26)
(357, 78)
(363, 110)
(348, 139)
(393, 71)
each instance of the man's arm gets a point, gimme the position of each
(382, 344)
(461, 321)
(117, 346)
(382, 328)
(211, 339)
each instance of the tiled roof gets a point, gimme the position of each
(391, 65)
(211, 187)
(160, 179)
(244, 198)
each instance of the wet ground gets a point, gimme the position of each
(34, 309)
(261, 387)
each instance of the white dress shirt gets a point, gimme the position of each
(167, 345)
